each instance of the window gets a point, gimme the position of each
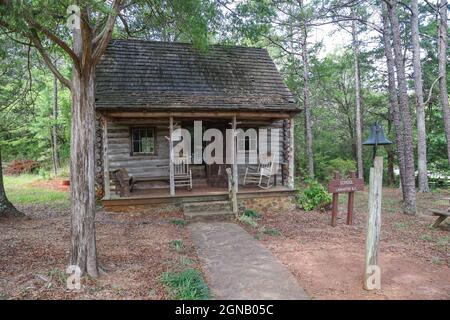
(143, 141)
(247, 143)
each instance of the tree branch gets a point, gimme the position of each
(431, 89)
(101, 41)
(37, 43)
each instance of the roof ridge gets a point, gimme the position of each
(187, 43)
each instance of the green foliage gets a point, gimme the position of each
(186, 285)
(326, 172)
(251, 213)
(248, 221)
(178, 222)
(270, 231)
(177, 244)
(314, 196)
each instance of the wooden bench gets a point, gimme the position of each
(441, 214)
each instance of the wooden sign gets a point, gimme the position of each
(349, 185)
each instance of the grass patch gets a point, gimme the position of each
(186, 285)
(178, 222)
(248, 221)
(427, 237)
(443, 241)
(400, 225)
(252, 213)
(177, 245)
(270, 231)
(20, 190)
(437, 260)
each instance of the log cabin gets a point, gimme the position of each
(145, 90)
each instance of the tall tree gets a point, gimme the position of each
(6, 207)
(306, 93)
(420, 106)
(41, 23)
(55, 127)
(442, 58)
(408, 186)
(392, 89)
(358, 121)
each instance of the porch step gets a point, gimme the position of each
(207, 211)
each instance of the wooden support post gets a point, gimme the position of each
(171, 158)
(232, 192)
(234, 147)
(106, 178)
(372, 274)
(334, 210)
(291, 169)
(335, 204)
(351, 200)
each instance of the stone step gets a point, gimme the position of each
(206, 206)
(207, 211)
(208, 216)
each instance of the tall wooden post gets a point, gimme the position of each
(235, 164)
(106, 178)
(335, 204)
(351, 200)
(171, 158)
(372, 275)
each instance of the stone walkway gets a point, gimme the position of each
(238, 267)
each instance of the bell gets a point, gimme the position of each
(376, 136)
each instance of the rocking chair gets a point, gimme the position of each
(182, 175)
(262, 175)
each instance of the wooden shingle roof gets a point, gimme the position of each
(145, 75)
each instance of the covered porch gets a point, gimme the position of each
(151, 165)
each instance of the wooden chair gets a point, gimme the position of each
(124, 183)
(182, 175)
(262, 175)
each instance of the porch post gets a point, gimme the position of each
(235, 164)
(106, 181)
(171, 155)
(291, 172)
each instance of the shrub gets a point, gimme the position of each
(338, 164)
(314, 196)
(248, 221)
(251, 213)
(186, 285)
(21, 166)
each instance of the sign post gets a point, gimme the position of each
(349, 185)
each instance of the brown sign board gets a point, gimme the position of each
(346, 185)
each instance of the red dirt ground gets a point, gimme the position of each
(134, 251)
(328, 262)
(54, 184)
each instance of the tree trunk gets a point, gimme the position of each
(83, 251)
(409, 190)
(54, 127)
(358, 124)
(306, 99)
(6, 207)
(442, 57)
(420, 107)
(393, 97)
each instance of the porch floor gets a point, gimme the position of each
(195, 192)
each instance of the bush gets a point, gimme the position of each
(17, 167)
(314, 196)
(251, 213)
(338, 164)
